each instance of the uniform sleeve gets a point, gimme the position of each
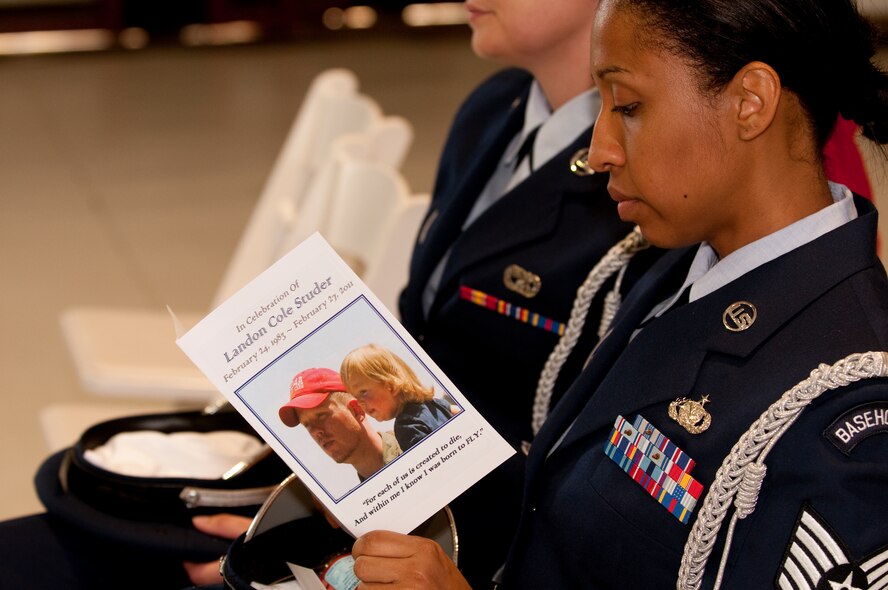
(817, 521)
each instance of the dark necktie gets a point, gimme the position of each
(683, 298)
(526, 149)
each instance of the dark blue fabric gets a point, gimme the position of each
(556, 225)
(418, 420)
(40, 552)
(586, 524)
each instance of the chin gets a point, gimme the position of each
(486, 48)
(667, 241)
(339, 457)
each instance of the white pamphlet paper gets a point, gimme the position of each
(309, 310)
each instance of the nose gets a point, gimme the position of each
(605, 151)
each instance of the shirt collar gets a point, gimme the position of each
(557, 129)
(707, 273)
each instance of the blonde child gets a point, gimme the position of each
(386, 387)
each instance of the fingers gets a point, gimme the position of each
(227, 526)
(202, 574)
(403, 561)
(380, 557)
(378, 570)
(387, 544)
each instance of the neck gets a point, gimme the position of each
(559, 91)
(789, 191)
(560, 73)
(367, 458)
(780, 178)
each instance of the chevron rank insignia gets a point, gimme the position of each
(816, 559)
(656, 464)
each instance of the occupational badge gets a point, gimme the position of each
(656, 464)
(817, 559)
(691, 415)
(522, 281)
(739, 316)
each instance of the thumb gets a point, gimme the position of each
(202, 574)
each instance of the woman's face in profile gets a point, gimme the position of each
(666, 145)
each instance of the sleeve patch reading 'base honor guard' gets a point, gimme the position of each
(858, 424)
(816, 559)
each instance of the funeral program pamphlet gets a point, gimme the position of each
(388, 454)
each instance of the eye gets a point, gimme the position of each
(625, 110)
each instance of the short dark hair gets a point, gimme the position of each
(821, 49)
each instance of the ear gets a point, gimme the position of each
(757, 89)
(356, 410)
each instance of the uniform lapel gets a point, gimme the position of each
(528, 212)
(623, 383)
(443, 222)
(656, 284)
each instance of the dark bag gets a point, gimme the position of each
(154, 514)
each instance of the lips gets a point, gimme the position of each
(475, 11)
(616, 195)
(627, 207)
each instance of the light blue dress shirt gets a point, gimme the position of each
(707, 273)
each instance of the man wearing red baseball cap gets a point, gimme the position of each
(335, 421)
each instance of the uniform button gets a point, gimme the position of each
(421, 337)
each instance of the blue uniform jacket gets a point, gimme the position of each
(586, 524)
(556, 225)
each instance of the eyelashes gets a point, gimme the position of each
(625, 110)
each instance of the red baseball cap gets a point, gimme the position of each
(309, 389)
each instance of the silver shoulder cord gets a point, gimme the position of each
(741, 474)
(616, 259)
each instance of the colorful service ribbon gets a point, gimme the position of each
(656, 463)
(505, 308)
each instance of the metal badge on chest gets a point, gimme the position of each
(739, 316)
(522, 281)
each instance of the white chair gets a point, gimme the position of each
(386, 274)
(332, 108)
(132, 352)
(367, 196)
(386, 144)
(372, 223)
